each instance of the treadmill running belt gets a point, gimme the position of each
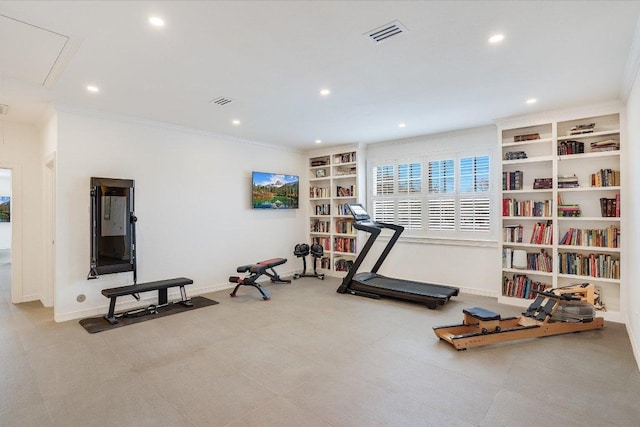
(417, 288)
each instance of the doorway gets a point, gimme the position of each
(5, 237)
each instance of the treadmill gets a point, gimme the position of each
(374, 285)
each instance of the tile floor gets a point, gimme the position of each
(308, 357)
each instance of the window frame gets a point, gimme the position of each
(485, 197)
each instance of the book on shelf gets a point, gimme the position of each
(570, 147)
(342, 264)
(515, 155)
(605, 266)
(513, 207)
(605, 145)
(345, 226)
(512, 233)
(344, 244)
(325, 242)
(526, 137)
(319, 162)
(539, 261)
(582, 129)
(610, 207)
(605, 178)
(542, 183)
(322, 209)
(512, 180)
(568, 182)
(521, 286)
(345, 170)
(345, 157)
(569, 211)
(343, 209)
(318, 192)
(606, 238)
(345, 191)
(542, 233)
(318, 226)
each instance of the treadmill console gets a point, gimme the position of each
(358, 211)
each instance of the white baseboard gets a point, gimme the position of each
(481, 292)
(146, 299)
(29, 298)
(634, 344)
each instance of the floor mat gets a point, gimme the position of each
(99, 324)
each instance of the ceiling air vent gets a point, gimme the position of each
(221, 100)
(384, 33)
(4, 109)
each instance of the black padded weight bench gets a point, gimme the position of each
(161, 286)
(255, 271)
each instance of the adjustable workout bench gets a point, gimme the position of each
(255, 271)
(161, 286)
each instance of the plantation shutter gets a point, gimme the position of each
(474, 174)
(441, 175)
(442, 214)
(474, 205)
(410, 178)
(475, 214)
(383, 211)
(441, 210)
(382, 180)
(410, 214)
(410, 183)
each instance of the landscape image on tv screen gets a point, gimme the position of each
(275, 191)
(5, 209)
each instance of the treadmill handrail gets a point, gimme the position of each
(374, 231)
(397, 231)
(374, 228)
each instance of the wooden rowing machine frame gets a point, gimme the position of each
(483, 327)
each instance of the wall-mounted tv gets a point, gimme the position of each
(5, 209)
(275, 191)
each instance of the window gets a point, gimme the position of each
(397, 198)
(475, 214)
(383, 180)
(441, 209)
(452, 199)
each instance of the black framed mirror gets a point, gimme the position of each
(113, 237)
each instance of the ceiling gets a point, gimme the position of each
(271, 58)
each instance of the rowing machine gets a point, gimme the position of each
(483, 327)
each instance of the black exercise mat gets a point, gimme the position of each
(99, 324)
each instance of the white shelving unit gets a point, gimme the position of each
(547, 156)
(333, 183)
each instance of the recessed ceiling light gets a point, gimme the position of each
(318, 141)
(496, 38)
(92, 88)
(531, 101)
(235, 122)
(325, 92)
(401, 125)
(156, 21)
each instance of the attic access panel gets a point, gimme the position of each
(112, 227)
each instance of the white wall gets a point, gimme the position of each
(49, 139)
(471, 266)
(192, 200)
(21, 151)
(632, 210)
(5, 227)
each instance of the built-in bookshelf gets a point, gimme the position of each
(561, 198)
(333, 183)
